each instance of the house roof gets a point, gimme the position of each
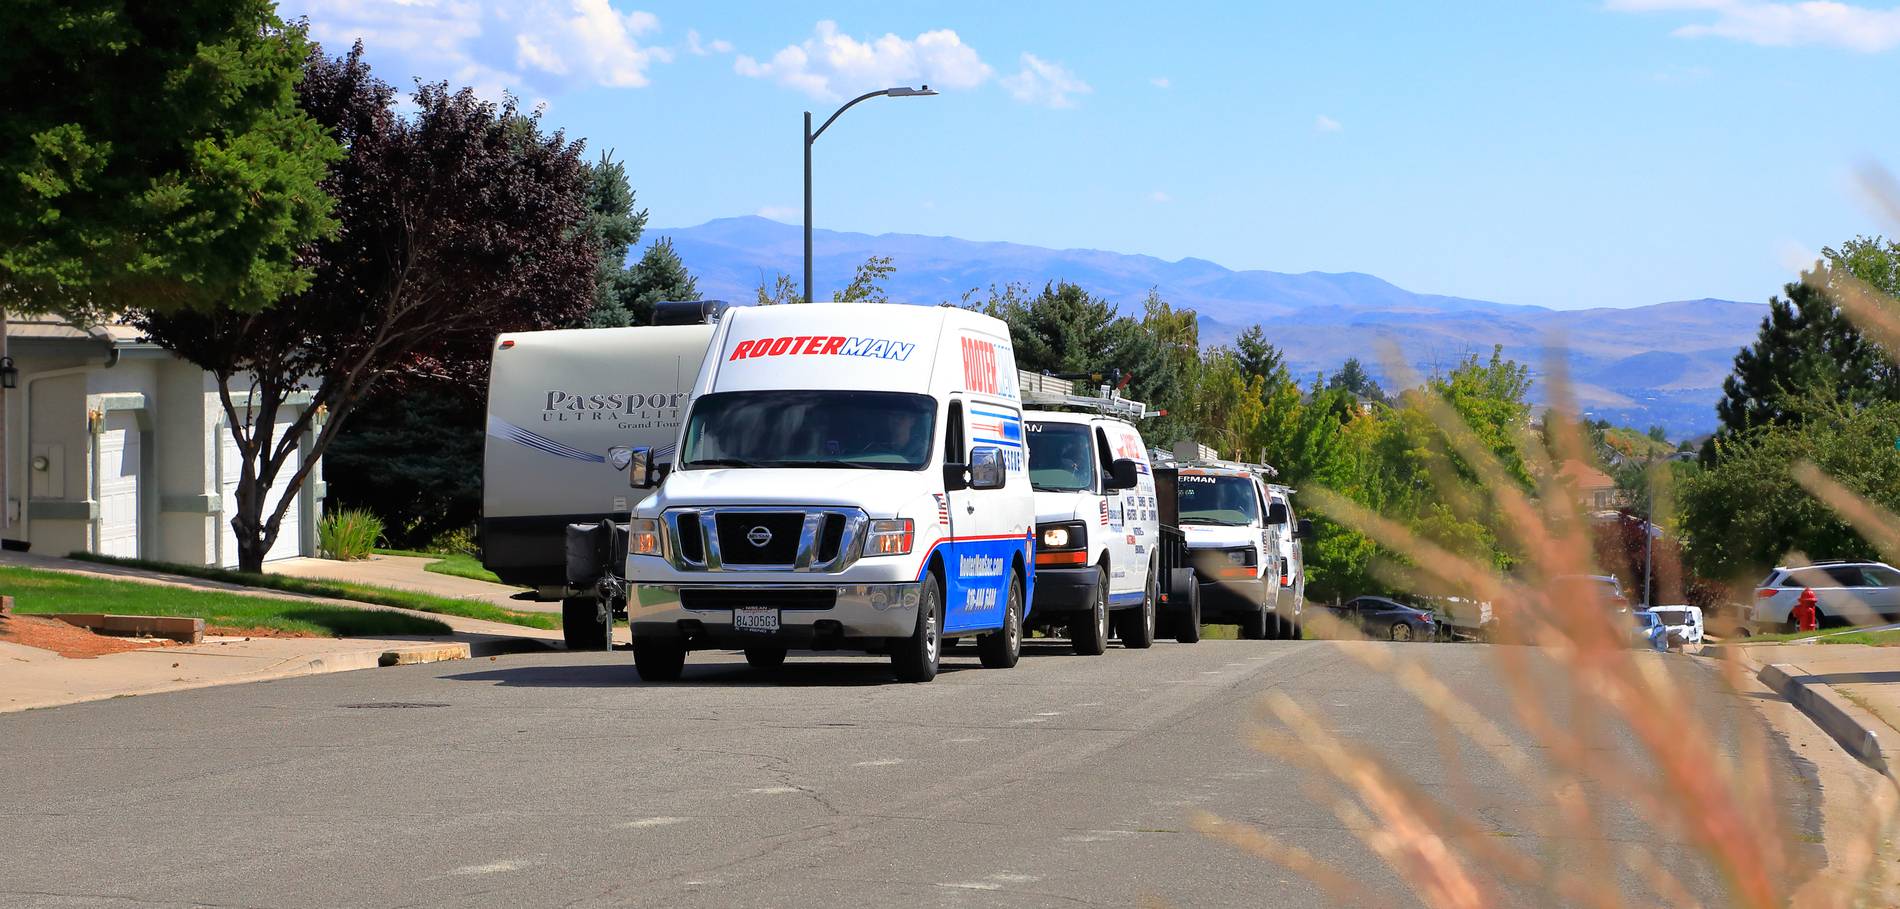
(119, 334)
(1583, 476)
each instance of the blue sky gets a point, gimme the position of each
(1565, 154)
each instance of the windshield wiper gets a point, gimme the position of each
(1213, 522)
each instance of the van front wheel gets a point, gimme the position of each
(914, 659)
(659, 660)
(587, 623)
(1089, 635)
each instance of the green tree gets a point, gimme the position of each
(154, 154)
(1808, 351)
(615, 228)
(1353, 379)
(659, 276)
(1257, 357)
(1744, 513)
(867, 285)
(782, 290)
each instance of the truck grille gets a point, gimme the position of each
(759, 539)
(767, 597)
(753, 538)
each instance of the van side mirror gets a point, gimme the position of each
(1276, 513)
(986, 468)
(1304, 529)
(1123, 473)
(956, 476)
(641, 472)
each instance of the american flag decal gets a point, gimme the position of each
(943, 509)
(1104, 512)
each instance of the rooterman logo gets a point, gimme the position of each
(822, 346)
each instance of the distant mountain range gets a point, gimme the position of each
(1644, 365)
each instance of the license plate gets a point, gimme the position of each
(755, 619)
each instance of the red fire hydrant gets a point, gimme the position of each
(1807, 612)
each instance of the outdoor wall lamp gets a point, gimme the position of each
(9, 374)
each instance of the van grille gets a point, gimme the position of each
(767, 597)
(739, 536)
(692, 539)
(830, 537)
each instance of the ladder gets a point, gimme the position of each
(1043, 390)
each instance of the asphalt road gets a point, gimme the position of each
(562, 780)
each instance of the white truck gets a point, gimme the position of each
(848, 476)
(564, 410)
(1241, 549)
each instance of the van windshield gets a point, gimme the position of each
(1217, 500)
(878, 430)
(1061, 457)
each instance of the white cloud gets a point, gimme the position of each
(783, 213)
(1159, 197)
(1160, 82)
(1808, 22)
(700, 48)
(1325, 124)
(1045, 83)
(831, 65)
(493, 45)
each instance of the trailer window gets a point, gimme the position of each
(1218, 500)
(1059, 458)
(879, 430)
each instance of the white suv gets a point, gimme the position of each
(1847, 591)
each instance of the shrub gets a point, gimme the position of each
(348, 535)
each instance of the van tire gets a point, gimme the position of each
(1136, 627)
(1001, 649)
(1089, 634)
(765, 656)
(914, 659)
(587, 623)
(659, 659)
(1184, 605)
(1256, 626)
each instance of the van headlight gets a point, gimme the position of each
(1067, 535)
(889, 537)
(643, 536)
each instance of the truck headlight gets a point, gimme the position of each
(1242, 556)
(1069, 535)
(643, 537)
(889, 537)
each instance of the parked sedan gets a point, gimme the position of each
(1378, 617)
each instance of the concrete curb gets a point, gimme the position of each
(1836, 716)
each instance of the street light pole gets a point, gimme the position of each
(810, 137)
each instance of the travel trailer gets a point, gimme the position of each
(565, 409)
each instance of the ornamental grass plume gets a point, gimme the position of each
(1571, 680)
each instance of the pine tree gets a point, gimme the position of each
(659, 276)
(615, 228)
(1257, 357)
(1806, 345)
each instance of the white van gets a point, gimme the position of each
(848, 476)
(1234, 538)
(1097, 529)
(564, 408)
(1285, 528)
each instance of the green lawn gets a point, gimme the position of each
(458, 564)
(1827, 636)
(345, 590)
(52, 591)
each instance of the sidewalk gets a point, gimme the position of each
(1851, 690)
(408, 573)
(31, 678)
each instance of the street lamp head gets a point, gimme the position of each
(905, 91)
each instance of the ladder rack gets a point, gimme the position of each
(1051, 391)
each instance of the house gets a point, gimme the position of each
(116, 446)
(1590, 488)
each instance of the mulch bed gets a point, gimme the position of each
(67, 640)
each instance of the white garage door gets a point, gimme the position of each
(119, 486)
(289, 543)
